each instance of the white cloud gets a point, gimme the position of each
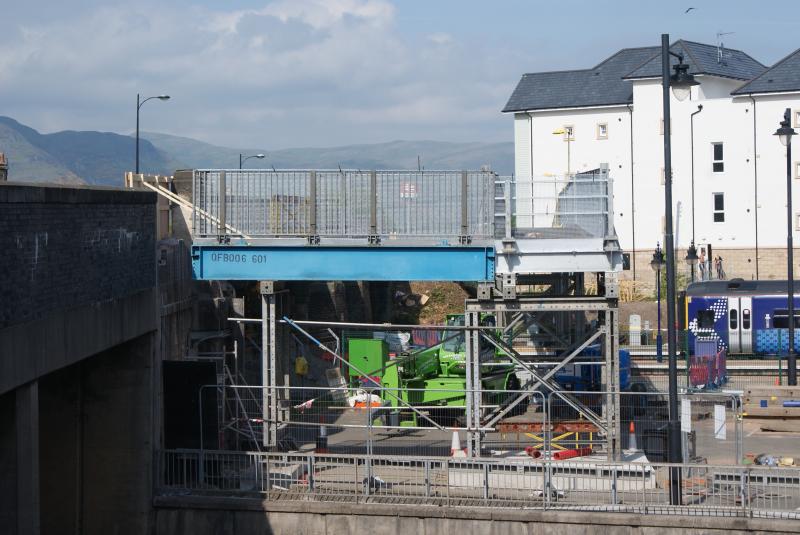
(289, 73)
(440, 38)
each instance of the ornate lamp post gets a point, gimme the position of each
(681, 83)
(657, 263)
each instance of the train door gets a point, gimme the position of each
(734, 333)
(746, 324)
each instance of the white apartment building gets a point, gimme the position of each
(729, 170)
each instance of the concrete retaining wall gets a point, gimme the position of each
(201, 516)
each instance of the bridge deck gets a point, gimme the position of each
(397, 225)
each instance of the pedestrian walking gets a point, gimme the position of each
(702, 264)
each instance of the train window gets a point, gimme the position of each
(734, 319)
(705, 319)
(780, 319)
(746, 319)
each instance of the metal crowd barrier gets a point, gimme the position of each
(622, 486)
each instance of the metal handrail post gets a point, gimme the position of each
(223, 187)
(373, 205)
(464, 201)
(312, 205)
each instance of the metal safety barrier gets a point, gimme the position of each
(627, 486)
(380, 205)
(455, 206)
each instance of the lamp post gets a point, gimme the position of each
(657, 263)
(139, 104)
(785, 133)
(259, 156)
(691, 257)
(567, 132)
(681, 83)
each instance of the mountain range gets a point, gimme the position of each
(102, 158)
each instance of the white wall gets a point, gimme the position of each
(586, 152)
(723, 119)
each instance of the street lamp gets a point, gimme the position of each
(691, 257)
(785, 133)
(657, 263)
(259, 156)
(139, 104)
(567, 132)
(681, 83)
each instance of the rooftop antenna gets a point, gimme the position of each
(721, 46)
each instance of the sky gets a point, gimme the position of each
(318, 73)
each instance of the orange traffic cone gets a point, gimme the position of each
(455, 446)
(632, 437)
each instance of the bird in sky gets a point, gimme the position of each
(688, 10)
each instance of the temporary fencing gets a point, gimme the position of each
(372, 420)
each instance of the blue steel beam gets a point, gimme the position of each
(445, 263)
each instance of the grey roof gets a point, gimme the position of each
(783, 76)
(602, 85)
(704, 59)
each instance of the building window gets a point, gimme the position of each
(602, 130)
(719, 165)
(719, 207)
(569, 132)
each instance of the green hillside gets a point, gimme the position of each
(77, 157)
(103, 158)
(390, 155)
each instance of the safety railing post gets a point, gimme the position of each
(373, 207)
(464, 239)
(222, 194)
(313, 234)
(427, 478)
(447, 478)
(609, 208)
(547, 486)
(508, 208)
(310, 476)
(368, 479)
(485, 481)
(744, 491)
(266, 486)
(614, 499)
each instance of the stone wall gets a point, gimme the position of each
(65, 247)
(737, 263)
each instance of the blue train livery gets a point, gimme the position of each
(741, 317)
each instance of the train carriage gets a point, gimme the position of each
(741, 317)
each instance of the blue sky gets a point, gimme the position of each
(296, 73)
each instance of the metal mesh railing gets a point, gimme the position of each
(344, 204)
(578, 485)
(572, 206)
(438, 205)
